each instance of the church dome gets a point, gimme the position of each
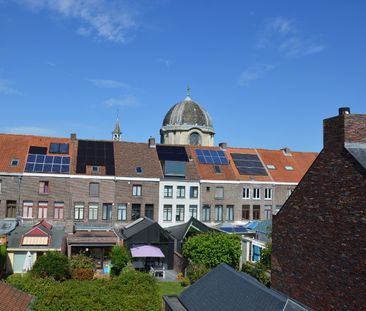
(188, 112)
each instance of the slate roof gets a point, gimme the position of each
(358, 151)
(179, 231)
(188, 112)
(226, 289)
(12, 299)
(6, 226)
(130, 155)
(137, 226)
(56, 235)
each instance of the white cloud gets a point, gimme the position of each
(253, 73)
(109, 83)
(7, 89)
(124, 101)
(281, 34)
(30, 130)
(295, 47)
(111, 20)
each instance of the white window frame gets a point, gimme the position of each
(42, 210)
(246, 193)
(122, 211)
(206, 213)
(136, 190)
(219, 213)
(267, 210)
(230, 212)
(256, 193)
(44, 187)
(27, 209)
(268, 193)
(93, 211)
(79, 211)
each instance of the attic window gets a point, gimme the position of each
(59, 148)
(14, 162)
(139, 170)
(95, 169)
(217, 169)
(289, 168)
(271, 167)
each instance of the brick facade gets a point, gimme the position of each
(319, 241)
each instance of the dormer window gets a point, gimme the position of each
(14, 162)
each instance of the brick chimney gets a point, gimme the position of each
(344, 128)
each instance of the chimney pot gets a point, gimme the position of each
(344, 110)
(152, 143)
(73, 136)
(223, 145)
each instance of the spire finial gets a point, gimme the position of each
(116, 134)
(188, 97)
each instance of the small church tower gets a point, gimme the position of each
(116, 134)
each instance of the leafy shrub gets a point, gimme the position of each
(52, 264)
(266, 253)
(211, 249)
(82, 267)
(120, 256)
(131, 291)
(196, 271)
(257, 271)
(179, 276)
(29, 284)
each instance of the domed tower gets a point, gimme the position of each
(187, 123)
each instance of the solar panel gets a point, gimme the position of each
(207, 156)
(37, 150)
(37, 163)
(248, 164)
(98, 153)
(172, 153)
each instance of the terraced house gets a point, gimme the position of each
(80, 181)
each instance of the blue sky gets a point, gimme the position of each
(268, 72)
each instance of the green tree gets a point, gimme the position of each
(53, 264)
(211, 249)
(82, 267)
(120, 257)
(266, 253)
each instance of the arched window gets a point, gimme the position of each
(194, 139)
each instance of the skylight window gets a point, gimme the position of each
(14, 162)
(271, 167)
(59, 148)
(289, 168)
(217, 169)
(139, 170)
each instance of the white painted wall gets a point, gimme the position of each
(174, 201)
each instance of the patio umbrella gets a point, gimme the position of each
(146, 251)
(28, 262)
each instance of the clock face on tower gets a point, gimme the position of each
(194, 139)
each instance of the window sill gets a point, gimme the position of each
(268, 199)
(246, 198)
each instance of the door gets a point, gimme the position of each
(19, 259)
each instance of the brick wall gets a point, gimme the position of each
(319, 240)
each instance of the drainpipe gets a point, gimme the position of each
(18, 213)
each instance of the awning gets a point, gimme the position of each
(146, 251)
